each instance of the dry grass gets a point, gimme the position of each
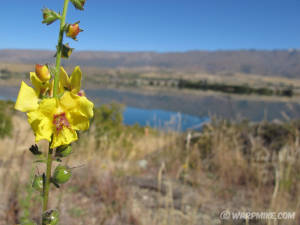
(161, 178)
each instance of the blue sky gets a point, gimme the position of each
(157, 25)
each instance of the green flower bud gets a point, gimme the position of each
(49, 16)
(37, 183)
(50, 217)
(78, 4)
(61, 174)
(63, 151)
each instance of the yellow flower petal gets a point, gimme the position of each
(36, 82)
(64, 137)
(78, 121)
(39, 86)
(27, 99)
(76, 80)
(41, 125)
(64, 78)
(69, 100)
(48, 106)
(86, 107)
(76, 103)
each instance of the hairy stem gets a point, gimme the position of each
(55, 95)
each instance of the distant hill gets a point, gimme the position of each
(284, 63)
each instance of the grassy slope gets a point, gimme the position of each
(140, 176)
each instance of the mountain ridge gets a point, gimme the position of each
(283, 63)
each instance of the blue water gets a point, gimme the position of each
(162, 119)
(156, 118)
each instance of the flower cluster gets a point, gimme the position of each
(55, 119)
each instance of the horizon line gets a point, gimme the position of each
(156, 51)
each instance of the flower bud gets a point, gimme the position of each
(37, 183)
(50, 217)
(49, 16)
(78, 4)
(63, 151)
(61, 174)
(73, 30)
(66, 51)
(42, 72)
(34, 149)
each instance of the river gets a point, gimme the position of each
(182, 111)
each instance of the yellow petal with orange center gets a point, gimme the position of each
(64, 137)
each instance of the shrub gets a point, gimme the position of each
(108, 121)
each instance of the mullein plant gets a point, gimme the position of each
(57, 110)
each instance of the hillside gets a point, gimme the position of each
(130, 175)
(284, 63)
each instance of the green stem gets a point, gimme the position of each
(59, 48)
(55, 95)
(47, 181)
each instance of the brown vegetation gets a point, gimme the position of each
(142, 176)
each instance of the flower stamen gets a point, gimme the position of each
(60, 121)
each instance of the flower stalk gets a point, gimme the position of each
(56, 109)
(59, 48)
(55, 95)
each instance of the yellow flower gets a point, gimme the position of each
(58, 119)
(72, 83)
